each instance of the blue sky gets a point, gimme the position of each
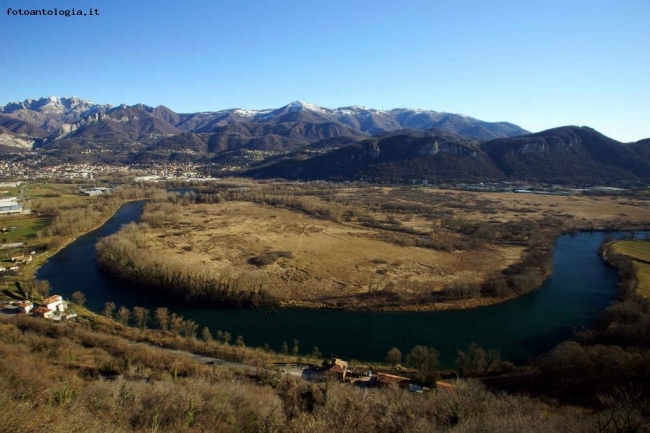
(539, 65)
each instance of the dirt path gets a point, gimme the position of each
(203, 359)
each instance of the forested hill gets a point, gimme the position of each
(562, 155)
(570, 154)
(392, 158)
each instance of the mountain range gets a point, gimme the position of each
(46, 121)
(305, 141)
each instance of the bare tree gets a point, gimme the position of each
(227, 337)
(78, 298)
(493, 360)
(109, 308)
(141, 317)
(189, 328)
(176, 323)
(394, 357)
(425, 361)
(472, 362)
(123, 315)
(623, 411)
(40, 287)
(207, 336)
(239, 342)
(161, 316)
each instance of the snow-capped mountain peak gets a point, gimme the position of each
(301, 106)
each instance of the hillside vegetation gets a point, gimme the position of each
(66, 377)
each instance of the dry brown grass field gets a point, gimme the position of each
(322, 245)
(577, 211)
(328, 260)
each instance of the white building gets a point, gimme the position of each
(8, 201)
(54, 303)
(9, 206)
(25, 307)
(43, 312)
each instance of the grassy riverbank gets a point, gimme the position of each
(639, 252)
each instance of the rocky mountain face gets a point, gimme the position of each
(28, 124)
(19, 135)
(569, 154)
(51, 113)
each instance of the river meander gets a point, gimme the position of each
(580, 286)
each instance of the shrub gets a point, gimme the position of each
(269, 258)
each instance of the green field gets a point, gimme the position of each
(639, 251)
(46, 190)
(21, 228)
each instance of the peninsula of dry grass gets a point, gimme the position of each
(354, 247)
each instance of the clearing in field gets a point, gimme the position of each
(639, 251)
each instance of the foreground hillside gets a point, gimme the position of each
(68, 378)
